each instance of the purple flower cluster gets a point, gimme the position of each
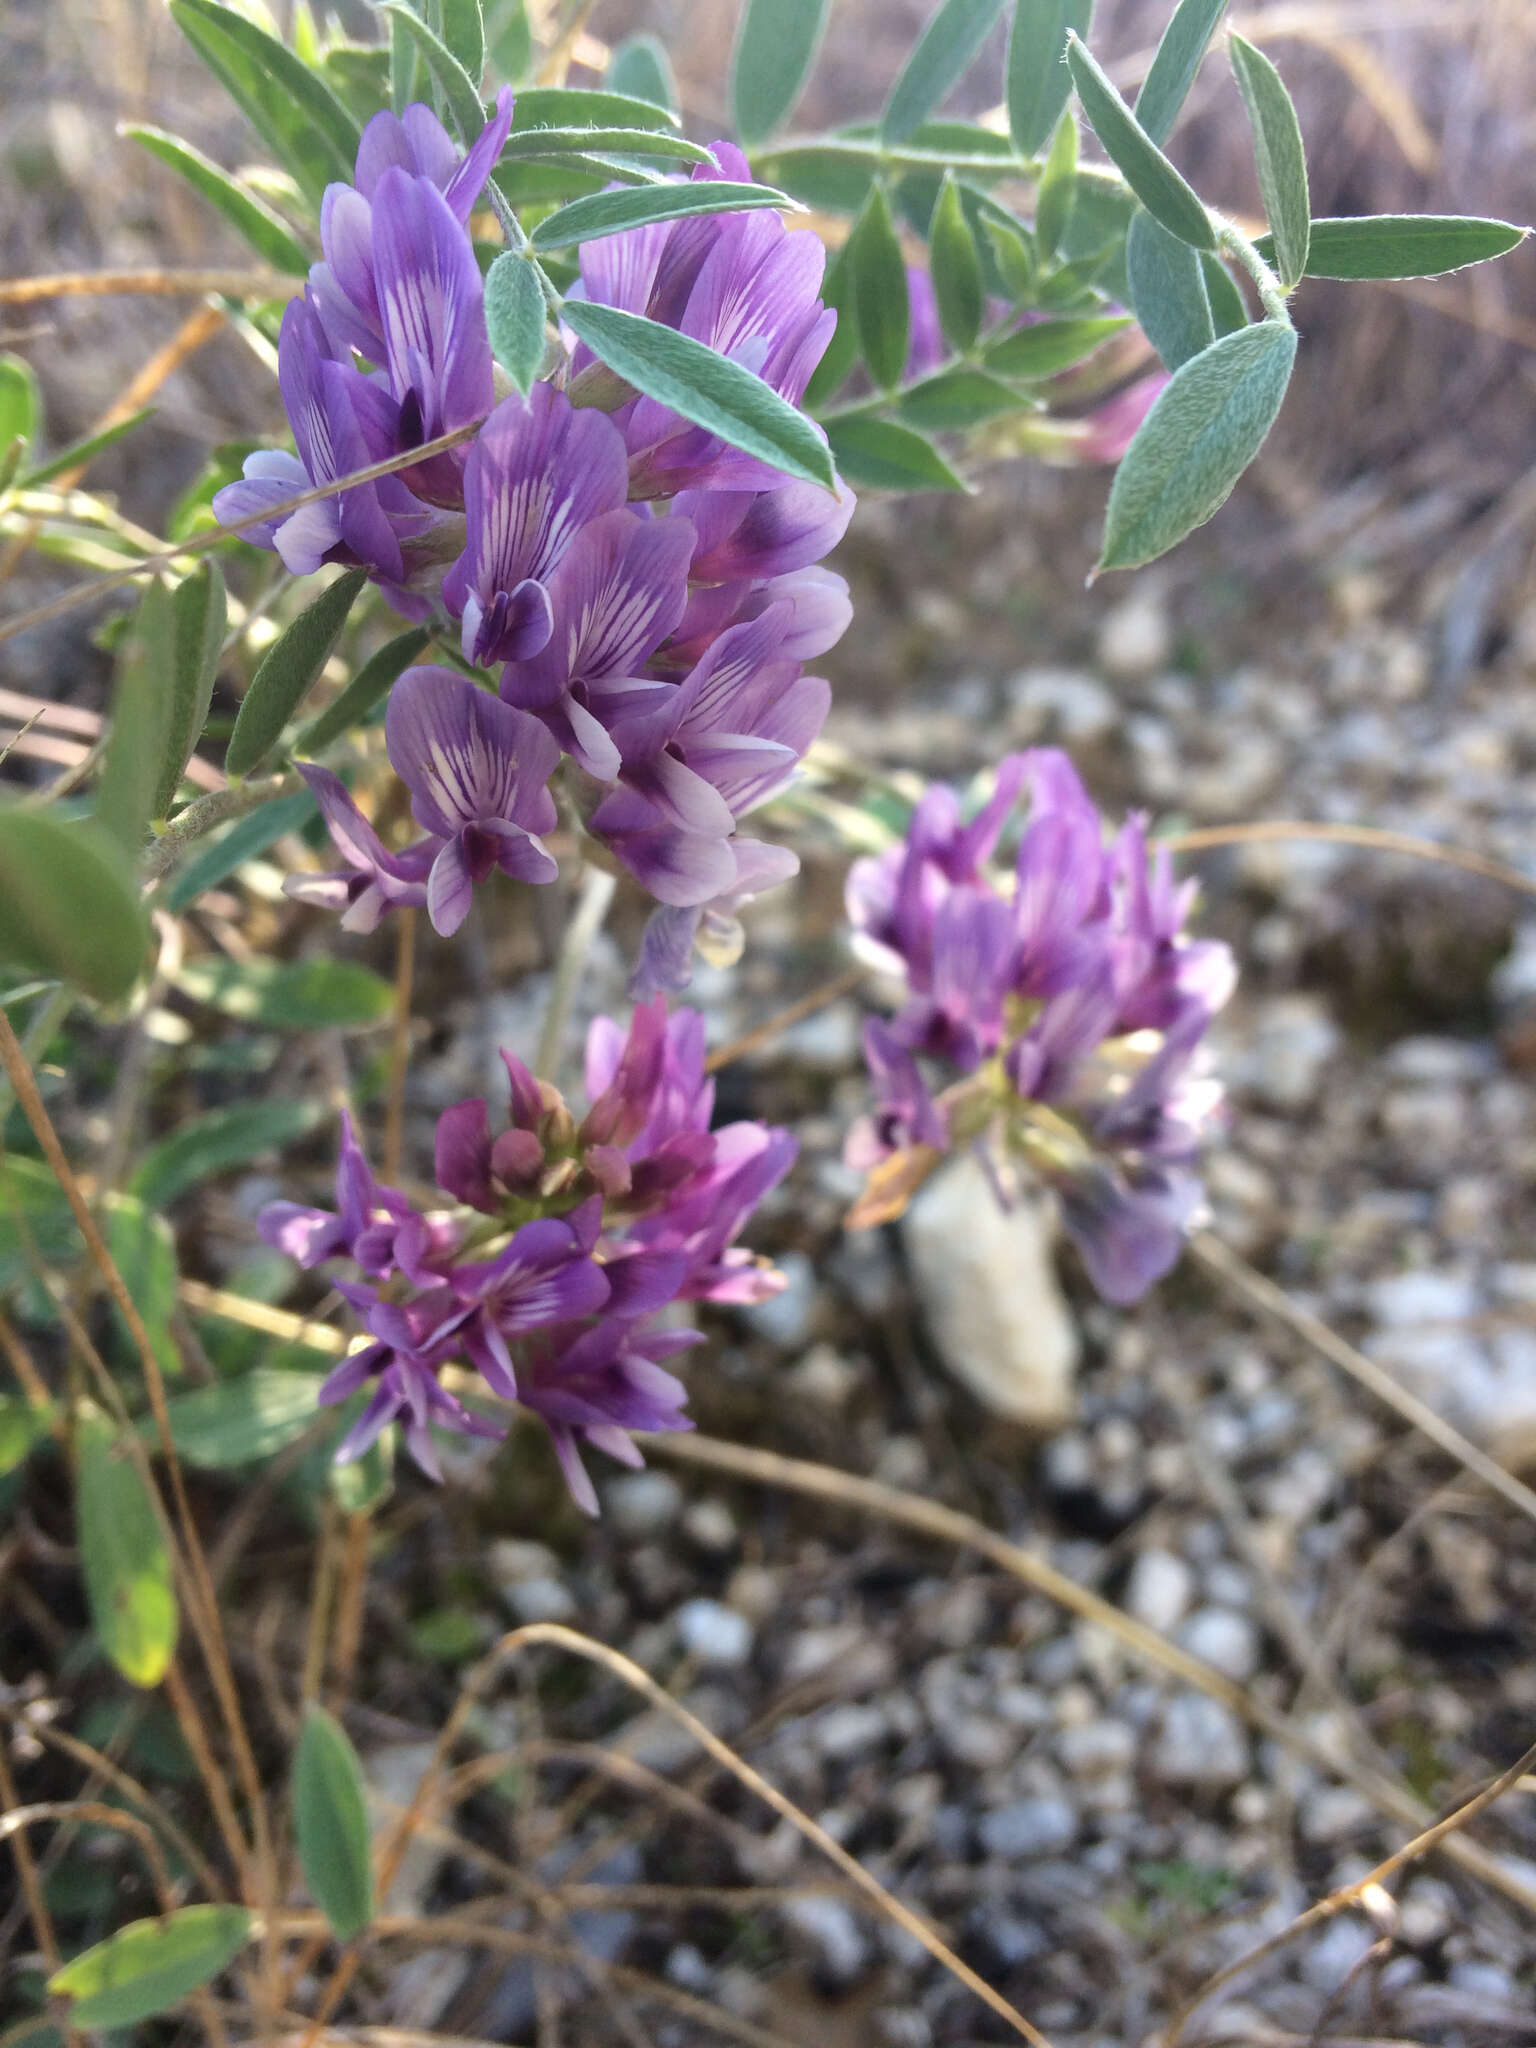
(648, 594)
(1069, 996)
(560, 1244)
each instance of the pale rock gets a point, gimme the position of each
(714, 1633)
(833, 1935)
(824, 1377)
(1201, 1743)
(1224, 1639)
(1330, 1957)
(639, 1504)
(1410, 1300)
(847, 1731)
(511, 1560)
(1295, 1040)
(1097, 1748)
(1065, 703)
(994, 1306)
(391, 1775)
(1159, 1590)
(1333, 1813)
(1027, 1828)
(1135, 638)
(532, 1600)
(711, 1525)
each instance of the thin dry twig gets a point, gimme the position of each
(947, 1525)
(793, 1013)
(640, 1681)
(1272, 1301)
(400, 1043)
(154, 284)
(1373, 837)
(1349, 1894)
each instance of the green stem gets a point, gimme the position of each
(596, 894)
(1237, 245)
(204, 813)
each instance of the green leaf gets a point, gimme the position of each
(516, 317)
(1038, 81)
(23, 1425)
(1013, 251)
(464, 35)
(79, 453)
(330, 1822)
(1046, 346)
(246, 1420)
(641, 68)
(459, 90)
(199, 616)
(359, 76)
(611, 213)
(374, 679)
(1058, 187)
(1401, 244)
(21, 405)
(564, 106)
(878, 273)
(68, 905)
(127, 1567)
(704, 387)
(888, 457)
(140, 737)
(1168, 292)
(1179, 54)
(776, 46)
(587, 144)
(842, 351)
(1195, 443)
(1228, 310)
(956, 399)
(218, 1141)
(149, 1966)
(1280, 156)
(288, 671)
(939, 60)
(217, 858)
(265, 230)
(291, 107)
(32, 1207)
(1159, 187)
(956, 268)
(289, 995)
(363, 1484)
(144, 1252)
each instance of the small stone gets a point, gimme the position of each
(712, 1527)
(1159, 1590)
(1477, 1979)
(848, 1731)
(1427, 1914)
(1096, 1748)
(639, 1504)
(902, 2026)
(1333, 1813)
(1135, 638)
(714, 1633)
(824, 1377)
(1295, 1041)
(786, 1318)
(509, 1561)
(1071, 706)
(836, 1940)
(686, 1968)
(1330, 1957)
(994, 1306)
(755, 1591)
(1224, 1639)
(1027, 1828)
(1200, 1743)
(1410, 1300)
(978, 1741)
(540, 1600)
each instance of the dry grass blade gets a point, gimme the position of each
(400, 1044)
(630, 1674)
(793, 1013)
(1369, 836)
(1272, 1301)
(18, 1819)
(1350, 1894)
(129, 1788)
(101, 586)
(160, 284)
(947, 1525)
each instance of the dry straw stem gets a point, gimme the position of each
(399, 1044)
(146, 565)
(948, 1525)
(793, 1013)
(1272, 1301)
(158, 284)
(1372, 837)
(1351, 1894)
(639, 1681)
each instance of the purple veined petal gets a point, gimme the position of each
(680, 868)
(351, 833)
(925, 337)
(450, 890)
(371, 1424)
(1128, 1235)
(466, 757)
(616, 1444)
(430, 304)
(975, 842)
(272, 476)
(973, 958)
(728, 667)
(821, 611)
(617, 594)
(415, 141)
(462, 1153)
(306, 539)
(771, 532)
(753, 286)
(683, 795)
(739, 769)
(488, 1350)
(665, 964)
(644, 1282)
(605, 1049)
(343, 289)
(302, 1234)
(518, 853)
(1068, 1028)
(620, 270)
(469, 180)
(577, 1478)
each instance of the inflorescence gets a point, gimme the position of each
(1067, 998)
(647, 592)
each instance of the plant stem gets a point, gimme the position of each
(1237, 245)
(204, 813)
(596, 894)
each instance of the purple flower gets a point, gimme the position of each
(926, 347)
(615, 595)
(411, 1342)
(672, 932)
(593, 1386)
(544, 1274)
(480, 1170)
(1072, 994)
(365, 1226)
(749, 534)
(477, 771)
(374, 880)
(538, 472)
(342, 421)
